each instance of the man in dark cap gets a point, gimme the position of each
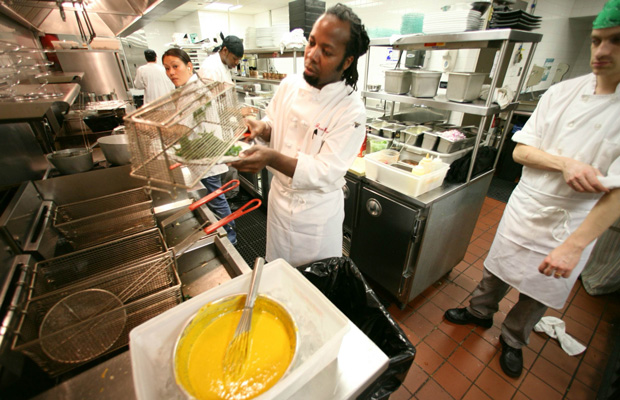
(225, 57)
(152, 78)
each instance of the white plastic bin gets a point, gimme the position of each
(464, 86)
(424, 83)
(402, 180)
(416, 154)
(321, 328)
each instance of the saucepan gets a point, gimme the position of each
(72, 161)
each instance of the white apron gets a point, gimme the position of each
(303, 227)
(527, 232)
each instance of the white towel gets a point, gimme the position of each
(556, 328)
(502, 96)
(294, 39)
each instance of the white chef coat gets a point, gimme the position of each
(153, 79)
(324, 130)
(213, 68)
(571, 121)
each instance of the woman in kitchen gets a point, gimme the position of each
(180, 70)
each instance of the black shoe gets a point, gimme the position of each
(511, 359)
(463, 317)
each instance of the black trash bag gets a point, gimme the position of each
(484, 162)
(342, 283)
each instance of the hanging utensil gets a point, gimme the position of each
(194, 237)
(223, 189)
(237, 350)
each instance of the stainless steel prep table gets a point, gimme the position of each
(359, 363)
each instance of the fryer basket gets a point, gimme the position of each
(178, 138)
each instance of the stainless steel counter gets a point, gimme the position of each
(359, 363)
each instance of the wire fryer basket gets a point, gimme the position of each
(59, 272)
(177, 139)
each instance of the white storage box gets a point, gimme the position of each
(416, 154)
(424, 83)
(402, 180)
(464, 86)
(321, 327)
(397, 81)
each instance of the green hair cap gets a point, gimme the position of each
(609, 16)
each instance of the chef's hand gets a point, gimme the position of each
(582, 177)
(257, 128)
(254, 159)
(561, 261)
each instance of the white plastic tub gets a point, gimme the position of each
(402, 180)
(464, 86)
(321, 327)
(416, 154)
(424, 83)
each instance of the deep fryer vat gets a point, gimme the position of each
(136, 313)
(172, 140)
(90, 222)
(56, 273)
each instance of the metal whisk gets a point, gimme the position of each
(237, 350)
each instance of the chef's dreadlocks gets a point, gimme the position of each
(358, 41)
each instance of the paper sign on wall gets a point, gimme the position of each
(547, 66)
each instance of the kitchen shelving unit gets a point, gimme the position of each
(424, 237)
(196, 54)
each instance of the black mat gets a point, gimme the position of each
(251, 229)
(500, 189)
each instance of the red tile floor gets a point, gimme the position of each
(462, 362)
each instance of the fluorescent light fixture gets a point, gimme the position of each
(217, 6)
(363, 3)
(233, 8)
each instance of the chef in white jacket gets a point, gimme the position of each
(225, 57)
(568, 195)
(152, 78)
(314, 129)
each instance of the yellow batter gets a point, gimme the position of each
(269, 355)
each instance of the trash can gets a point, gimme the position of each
(343, 284)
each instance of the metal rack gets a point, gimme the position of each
(429, 233)
(502, 40)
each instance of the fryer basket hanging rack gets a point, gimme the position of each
(175, 140)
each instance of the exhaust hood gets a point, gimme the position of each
(108, 18)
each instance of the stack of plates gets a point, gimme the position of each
(277, 32)
(515, 19)
(451, 21)
(249, 41)
(412, 23)
(264, 38)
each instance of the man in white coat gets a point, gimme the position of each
(314, 128)
(225, 57)
(152, 78)
(569, 194)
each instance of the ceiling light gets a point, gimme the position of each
(363, 3)
(233, 8)
(217, 6)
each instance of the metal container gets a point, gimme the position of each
(72, 161)
(450, 146)
(429, 141)
(115, 148)
(464, 86)
(397, 81)
(424, 83)
(414, 134)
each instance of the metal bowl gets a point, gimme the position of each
(72, 161)
(115, 148)
(212, 311)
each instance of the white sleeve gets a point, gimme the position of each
(535, 127)
(138, 82)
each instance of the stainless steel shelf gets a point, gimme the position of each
(256, 80)
(274, 52)
(478, 107)
(492, 38)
